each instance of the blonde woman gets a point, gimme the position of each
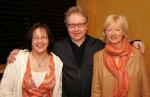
(119, 69)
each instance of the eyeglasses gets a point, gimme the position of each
(79, 25)
(40, 38)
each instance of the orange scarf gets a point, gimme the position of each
(45, 89)
(119, 71)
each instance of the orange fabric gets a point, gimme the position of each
(45, 89)
(119, 71)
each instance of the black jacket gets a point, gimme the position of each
(77, 80)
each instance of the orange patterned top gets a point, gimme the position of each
(29, 88)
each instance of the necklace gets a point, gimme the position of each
(39, 62)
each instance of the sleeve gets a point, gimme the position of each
(8, 81)
(96, 88)
(60, 87)
(60, 84)
(145, 78)
(57, 92)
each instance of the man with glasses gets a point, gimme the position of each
(76, 53)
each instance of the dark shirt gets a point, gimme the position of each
(77, 65)
(78, 51)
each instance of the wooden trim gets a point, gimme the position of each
(2, 68)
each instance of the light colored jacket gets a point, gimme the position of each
(11, 83)
(103, 83)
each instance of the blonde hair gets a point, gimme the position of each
(75, 9)
(116, 18)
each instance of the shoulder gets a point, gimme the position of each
(55, 57)
(22, 57)
(61, 42)
(95, 42)
(57, 60)
(99, 53)
(92, 39)
(21, 60)
(59, 45)
(136, 57)
(22, 53)
(136, 53)
(98, 59)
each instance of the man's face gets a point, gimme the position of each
(77, 27)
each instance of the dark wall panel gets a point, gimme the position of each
(17, 16)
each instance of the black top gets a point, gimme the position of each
(78, 51)
(76, 81)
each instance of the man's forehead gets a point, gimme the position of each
(76, 18)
